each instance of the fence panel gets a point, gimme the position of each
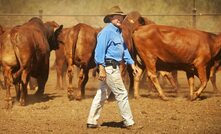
(206, 22)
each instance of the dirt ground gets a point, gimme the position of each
(56, 114)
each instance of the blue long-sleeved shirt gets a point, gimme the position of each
(110, 45)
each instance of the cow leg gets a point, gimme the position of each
(32, 84)
(213, 81)
(213, 77)
(161, 78)
(171, 79)
(41, 85)
(18, 92)
(82, 80)
(153, 78)
(41, 80)
(64, 82)
(23, 90)
(59, 77)
(203, 79)
(86, 72)
(190, 77)
(175, 76)
(2, 83)
(137, 80)
(8, 98)
(70, 92)
(8, 82)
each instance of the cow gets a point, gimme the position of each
(60, 63)
(168, 48)
(25, 53)
(131, 22)
(1, 30)
(79, 43)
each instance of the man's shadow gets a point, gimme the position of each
(113, 124)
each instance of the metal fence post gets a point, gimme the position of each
(194, 10)
(40, 14)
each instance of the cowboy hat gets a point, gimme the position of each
(115, 10)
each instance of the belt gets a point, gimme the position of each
(112, 62)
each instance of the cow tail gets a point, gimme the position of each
(75, 37)
(14, 41)
(72, 47)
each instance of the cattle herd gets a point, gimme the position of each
(25, 51)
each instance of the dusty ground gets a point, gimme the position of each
(56, 114)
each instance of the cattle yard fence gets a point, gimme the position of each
(204, 21)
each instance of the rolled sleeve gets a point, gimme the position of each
(101, 48)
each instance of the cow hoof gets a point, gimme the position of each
(8, 105)
(78, 98)
(194, 96)
(70, 97)
(137, 97)
(22, 103)
(39, 93)
(164, 98)
(70, 94)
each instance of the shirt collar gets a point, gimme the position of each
(114, 28)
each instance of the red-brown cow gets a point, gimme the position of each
(79, 44)
(25, 52)
(131, 22)
(1, 30)
(60, 63)
(168, 48)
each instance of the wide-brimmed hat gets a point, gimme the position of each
(115, 10)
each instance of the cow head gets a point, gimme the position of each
(53, 35)
(133, 20)
(56, 41)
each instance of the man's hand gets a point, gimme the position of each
(135, 70)
(102, 73)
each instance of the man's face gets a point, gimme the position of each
(117, 20)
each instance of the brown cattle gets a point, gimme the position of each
(131, 22)
(25, 52)
(60, 63)
(1, 30)
(168, 48)
(79, 43)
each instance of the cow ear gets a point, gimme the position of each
(58, 31)
(141, 21)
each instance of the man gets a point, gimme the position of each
(109, 52)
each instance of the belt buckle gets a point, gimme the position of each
(112, 63)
